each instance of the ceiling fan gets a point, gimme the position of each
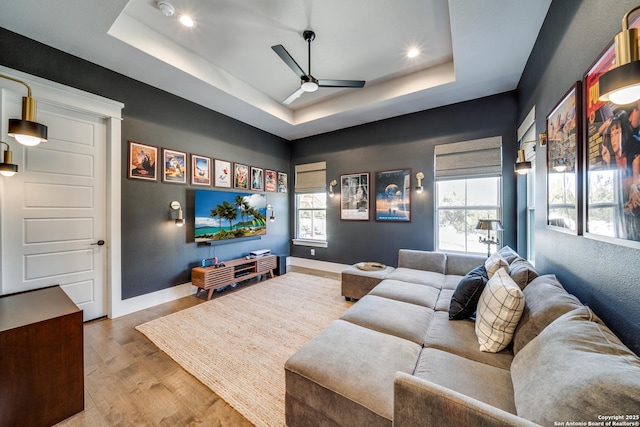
(308, 82)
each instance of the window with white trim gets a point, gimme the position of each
(468, 179)
(311, 204)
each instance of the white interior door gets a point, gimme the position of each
(54, 209)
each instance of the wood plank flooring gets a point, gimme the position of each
(129, 382)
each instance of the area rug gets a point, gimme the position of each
(237, 343)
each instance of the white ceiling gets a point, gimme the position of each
(469, 49)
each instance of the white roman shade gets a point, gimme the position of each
(476, 158)
(311, 177)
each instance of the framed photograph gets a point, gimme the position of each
(222, 173)
(240, 176)
(612, 161)
(257, 179)
(354, 196)
(270, 180)
(174, 166)
(393, 195)
(563, 164)
(142, 162)
(282, 182)
(200, 170)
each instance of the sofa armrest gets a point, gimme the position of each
(421, 402)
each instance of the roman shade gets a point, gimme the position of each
(476, 158)
(311, 177)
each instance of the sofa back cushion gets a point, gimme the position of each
(422, 260)
(508, 254)
(576, 369)
(461, 264)
(544, 301)
(522, 272)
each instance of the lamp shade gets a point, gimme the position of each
(489, 224)
(621, 85)
(27, 132)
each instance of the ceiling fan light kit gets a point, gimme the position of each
(308, 83)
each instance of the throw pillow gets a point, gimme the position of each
(576, 369)
(494, 263)
(465, 298)
(522, 272)
(499, 310)
(508, 254)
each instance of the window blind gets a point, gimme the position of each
(311, 177)
(476, 158)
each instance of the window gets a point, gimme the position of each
(460, 204)
(311, 205)
(311, 218)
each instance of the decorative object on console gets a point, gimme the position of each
(6, 167)
(174, 166)
(175, 205)
(142, 162)
(332, 184)
(200, 170)
(621, 84)
(371, 266)
(489, 224)
(393, 195)
(26, 130)
(419, 178)
(563, 163)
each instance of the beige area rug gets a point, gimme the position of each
(237, 344)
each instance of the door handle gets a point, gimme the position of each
(99, 243)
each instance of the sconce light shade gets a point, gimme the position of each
(6, 167)
(332, 184)
(272, 218)
(522, 166)
(419, 178)
(26, 130)
(621, 84)
(175, 205)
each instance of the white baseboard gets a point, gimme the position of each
(142, 302)
(317, 265)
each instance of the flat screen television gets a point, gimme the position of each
(222, 215)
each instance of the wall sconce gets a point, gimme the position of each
(621, 85)
(175, 205)
(419, 178)
(6, 167)
(272, 218)
(332, 184)
(489, 224)
(523, 166)
(26, 131)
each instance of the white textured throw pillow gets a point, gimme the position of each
(499, 309)
(494, 263)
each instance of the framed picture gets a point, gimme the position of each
(240, 176)
(142, 162)
(222, 173)
(393, 195)
(270, 180)
(612, 161)
(282, 182)
(257, 179)
(200, 170)
(563, 163)
(354, 196)
(174, 166)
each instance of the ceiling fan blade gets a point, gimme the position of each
(295, 95)
(341, 83)
(284, 55)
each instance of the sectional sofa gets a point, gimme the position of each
(411, 353)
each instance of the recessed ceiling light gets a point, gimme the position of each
(413, 52)
(187, 21)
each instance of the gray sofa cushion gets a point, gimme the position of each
(401, 319)
(422, 260)
(522, 272)
(544, 301)
(576, 369)
(422, 277)
(347, 364)
(509, 254)
(461, 264)
(408, 292)
(485, 383)
(460, 338)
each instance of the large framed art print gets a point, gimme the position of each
(393, 195)
(354, 196)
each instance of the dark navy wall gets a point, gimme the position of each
(602, 275)
(155, 253)
(405, 142)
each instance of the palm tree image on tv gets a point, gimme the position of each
(224, 215)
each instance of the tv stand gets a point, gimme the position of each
(233, 271)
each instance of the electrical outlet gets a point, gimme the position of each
(313, 252)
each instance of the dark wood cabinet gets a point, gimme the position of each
(41, 358)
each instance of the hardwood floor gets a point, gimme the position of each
(129, 382)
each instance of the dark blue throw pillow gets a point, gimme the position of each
(465, 298)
